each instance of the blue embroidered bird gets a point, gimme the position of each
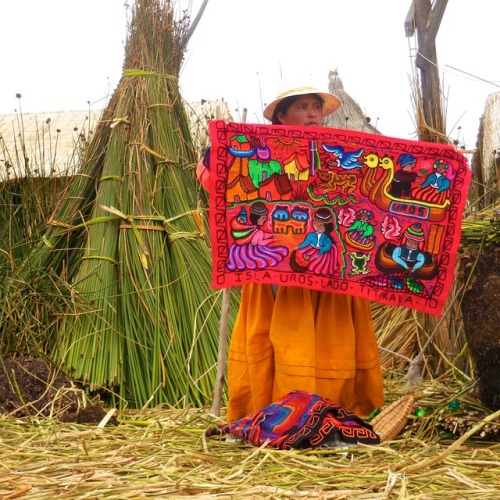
(346, 159)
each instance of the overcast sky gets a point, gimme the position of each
(62, 54)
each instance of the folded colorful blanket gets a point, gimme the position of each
(299, 420)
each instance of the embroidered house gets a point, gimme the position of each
(285, 222)
(296, 167)
(239, 145)
(276, 187)
(241, 188)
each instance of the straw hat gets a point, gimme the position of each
(330, 102)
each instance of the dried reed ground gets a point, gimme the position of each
(159, 452)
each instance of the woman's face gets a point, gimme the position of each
(319, 227)
(306, 110)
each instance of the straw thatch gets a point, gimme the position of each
(486, 159)
(53, 143)
(349, 115)
(199, 114)
(44, 144)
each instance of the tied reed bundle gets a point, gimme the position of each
(459, 423)
(392, 420)
(131, 236)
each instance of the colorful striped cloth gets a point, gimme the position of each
(299, 420)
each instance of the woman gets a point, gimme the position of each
(317, 253)
(252, 247)
(360, 233)
(290, 338)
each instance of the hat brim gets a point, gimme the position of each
(330, 102)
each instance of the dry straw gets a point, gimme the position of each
(162, 452)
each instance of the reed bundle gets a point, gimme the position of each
(392, 419)
(483, 227)
(131, 237)
(459, 423)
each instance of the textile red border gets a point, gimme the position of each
(336, 210)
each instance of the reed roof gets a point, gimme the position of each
(349, 115)
(50, 140)
(489, 138)
(54, 140)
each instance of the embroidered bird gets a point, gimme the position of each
(387, 163)
(346, 159)
(371, 160)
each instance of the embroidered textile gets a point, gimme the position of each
(336, 210)
(300, 420)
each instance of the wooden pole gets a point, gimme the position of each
(427, 21)
(222, 354)
(193, 26)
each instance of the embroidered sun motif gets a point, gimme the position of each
(285, 145)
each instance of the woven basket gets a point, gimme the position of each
(391, 420)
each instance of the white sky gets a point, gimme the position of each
(62, 54)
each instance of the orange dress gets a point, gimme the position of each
(302, 339)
